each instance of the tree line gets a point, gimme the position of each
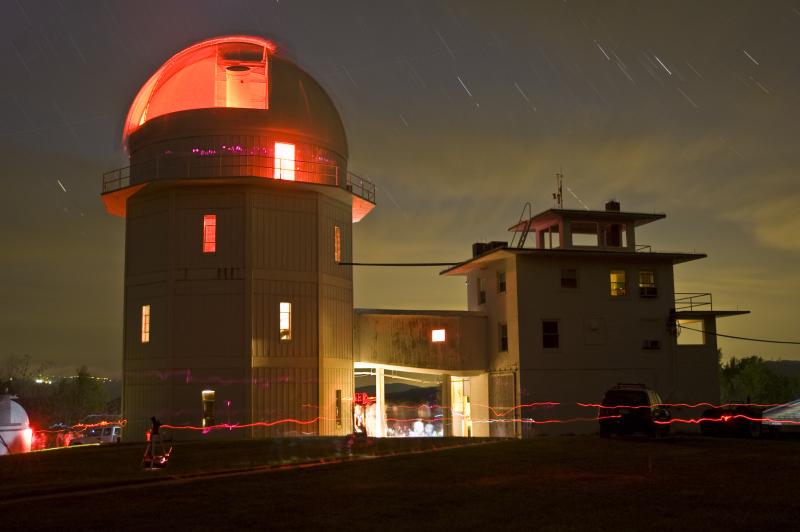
(753, 380)
(56, 400)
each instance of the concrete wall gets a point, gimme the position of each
(215, 317)
(403, 338)
(197, 310)
(600, 337)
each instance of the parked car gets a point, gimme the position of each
(103, 434)
(633, 409)
(731, 423)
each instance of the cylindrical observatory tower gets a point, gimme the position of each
(239, 209)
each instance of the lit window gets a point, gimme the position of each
(337, 243)
(569, 278)
(503, 336)
(284, 161)
(208, 407)
(210, 233)
(481, 291)
(501, 282)
(286, 321)
(647, 284)
(550, 334)
(145, 324)
(617, 279)
(438, 335)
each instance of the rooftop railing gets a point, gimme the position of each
(693, 301)
(236, 165)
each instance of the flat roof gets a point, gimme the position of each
(476, 262)
(412, 312)
(638, 218)
(699, 314)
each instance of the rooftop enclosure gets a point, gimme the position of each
(231, 108)
(610, 229)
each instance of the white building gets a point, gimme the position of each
(586, 307)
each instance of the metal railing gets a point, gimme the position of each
(361, 187)
(693, 301)
(236, 165)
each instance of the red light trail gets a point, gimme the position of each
(231, 426)
(686, 405)
(726, 418)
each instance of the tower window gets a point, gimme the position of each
(284, 161)
(285, 321)
(503, 336)
(338, 408)
(208, 397)
(550, 334)
(617, 282)
(647, 284)
(501, 282)
(337, 243)
(210, 233)
(569, 278)
(481, 290)
(145, 324)
(438, 335)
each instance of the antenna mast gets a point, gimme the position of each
(558, 196)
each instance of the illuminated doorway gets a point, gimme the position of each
(398, 404)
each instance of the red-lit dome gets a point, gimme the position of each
(230, 107)
(240, 72)
(222, 72)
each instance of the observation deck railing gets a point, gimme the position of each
(237, 165)
(693, 301)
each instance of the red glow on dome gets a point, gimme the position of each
(230, 71)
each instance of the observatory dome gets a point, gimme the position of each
(15, 432)
(246, 85)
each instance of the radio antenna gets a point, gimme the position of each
(558, 196)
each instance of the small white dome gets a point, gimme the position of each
(12, 415)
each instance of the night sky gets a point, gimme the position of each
(459, 111)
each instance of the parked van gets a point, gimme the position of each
(103, 434)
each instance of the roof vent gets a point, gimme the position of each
(479, 248)
(612, 205)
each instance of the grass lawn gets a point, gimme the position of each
(549, 483)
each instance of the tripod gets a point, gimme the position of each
(154, 455)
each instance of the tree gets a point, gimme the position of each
(751, 380)
(77, 397)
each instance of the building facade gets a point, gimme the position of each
(239, 208)
(238, 309)
(585, 307)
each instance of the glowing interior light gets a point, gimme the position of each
(285, 321)
(145, 324)
(337, 243)
(208, 407)
(284, 161)
(438, 335)
(223, 72)
(210, 233)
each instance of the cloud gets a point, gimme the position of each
(773, 221)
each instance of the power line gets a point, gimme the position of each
(411, 264)
(739, 337)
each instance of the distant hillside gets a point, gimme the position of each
(786, 368)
